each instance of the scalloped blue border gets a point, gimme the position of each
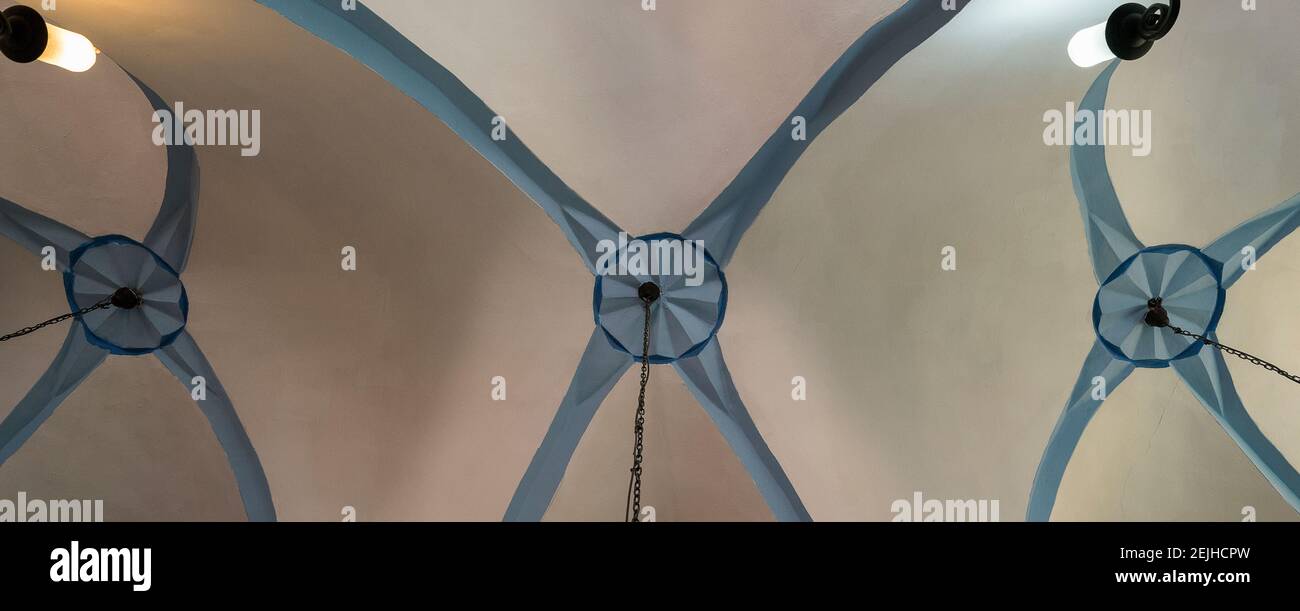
(694, 350)
(69, 277)
(1215, 268)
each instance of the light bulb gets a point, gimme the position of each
(68, 50)
(1088, 47)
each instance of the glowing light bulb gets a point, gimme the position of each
(68, 50)
(1088, 47)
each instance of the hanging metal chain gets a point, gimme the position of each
(633, 511)
(103, 305)
(1252, 359)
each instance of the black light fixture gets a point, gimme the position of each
(1129, 34)
(25, 37)
(648, 292)
(127, 299)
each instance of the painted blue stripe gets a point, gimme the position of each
(373, 42)
(722, 224)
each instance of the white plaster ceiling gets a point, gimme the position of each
(372, 388)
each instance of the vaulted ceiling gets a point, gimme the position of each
(372, 388)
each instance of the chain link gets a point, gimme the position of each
(103, 305)
(633, 512)
(1252, 359)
